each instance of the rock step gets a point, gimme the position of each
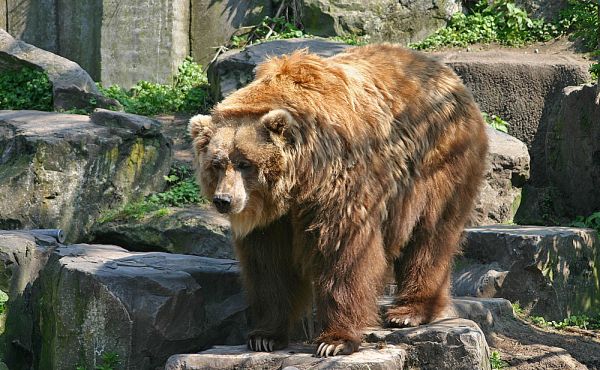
(445, 344)
(550, 271)
(82, 300)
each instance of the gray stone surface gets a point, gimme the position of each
(3, 13)
(507, 172)
(547, 9)
(69, 81)
(473, 279)
(33, 21)
(235, 68)
(523, 89)
(195, 230)
(63, 171)
(551, 271)
(381, 20)
(143, 306)
(446, 344)
(214, 22)
(22, 257)
(573, 151)
(125, 42)
(138, 124)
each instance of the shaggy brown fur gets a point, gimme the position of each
(332, 169)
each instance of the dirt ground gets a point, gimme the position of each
(525, 347)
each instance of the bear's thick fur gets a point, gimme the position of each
(332, 169)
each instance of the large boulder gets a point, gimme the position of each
(550, 271)
(447, 344)
(63, 170)
(33, 21)
(523, 89)
(72, 87)
(125, 42)
(508, 169)
(380, 20)
(573, 151)
(93, 300)
(214, 22)
(547, 9)
(192, 230)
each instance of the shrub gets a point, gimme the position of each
(187, 93)
(26, 88)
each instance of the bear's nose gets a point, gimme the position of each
(222, 202)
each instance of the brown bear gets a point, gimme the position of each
(331, 169)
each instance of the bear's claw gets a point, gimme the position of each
(260, 344)
(326, 350)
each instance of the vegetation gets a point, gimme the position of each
(187, 93)
(501, 21)
(580, 321)
(496, 122)
(110, 360)
(182, 189)
(26, 88)
(270, 28)
(3, 300)
(496, 361)
(592, 221)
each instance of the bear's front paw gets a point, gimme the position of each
(263, 343)
(404, 316)
(340, 347)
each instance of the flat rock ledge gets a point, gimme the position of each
(446, 344)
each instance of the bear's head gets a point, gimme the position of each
(243, 166)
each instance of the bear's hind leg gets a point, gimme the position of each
(277, 292)
(423, 269)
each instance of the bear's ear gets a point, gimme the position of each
(278, 121)
(201, 130)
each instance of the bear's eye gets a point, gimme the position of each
(243, 165)
(218, 165)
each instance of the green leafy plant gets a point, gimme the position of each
(110, 360)
(499, 21)
(181, 190)
(580, 20)
(496, 361)
(270, 28)
(187, 93)
(352, 39)
(496, 122)
(3, 300)
(26, 88)
(517, 309)
(592, 221)
(580, 321)
(595, 71)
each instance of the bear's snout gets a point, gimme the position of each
(222, 202)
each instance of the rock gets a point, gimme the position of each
(133, 122)
(70, 83)
(547, 9)
(446, 344)
(523, 89)
(507, 172)
(22, 257)
(195, 230)
(63, 171)
(551, 271)
(573, 151)
(33, 21)
(125, 42)
(235, 68)
(97, 299)
(381, 20)
(214, 22)
(478, 280)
